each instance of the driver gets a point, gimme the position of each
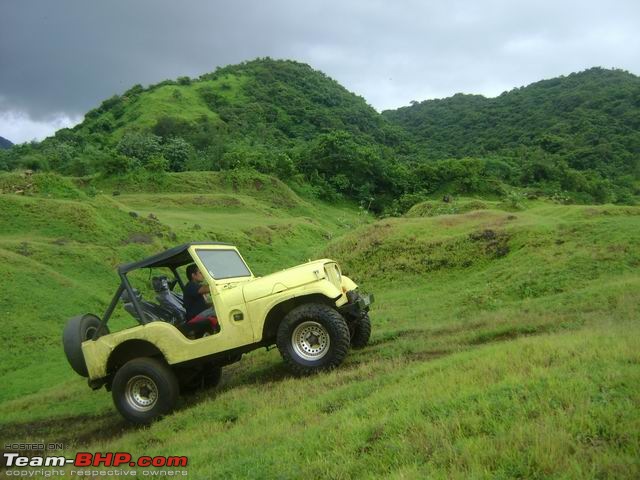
(199, 313)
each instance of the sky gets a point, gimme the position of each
(59, 59)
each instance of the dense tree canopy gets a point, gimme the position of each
(576, 131)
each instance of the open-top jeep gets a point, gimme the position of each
(311, 312)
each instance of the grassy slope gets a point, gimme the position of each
(59, 254)
(178, 101)
(172, 100)
(265, 101)
(505, 344)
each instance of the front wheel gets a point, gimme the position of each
(144, 389)
(361, 332)
(312, 338)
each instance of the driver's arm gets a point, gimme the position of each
(204, 289)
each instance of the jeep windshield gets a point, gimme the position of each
(223, 264)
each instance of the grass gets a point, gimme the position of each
(66, 251)
(176, 101)
(183, 102)
(505, 344)
(432, 208)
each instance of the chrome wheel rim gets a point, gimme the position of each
(310, 340)
(141, 393)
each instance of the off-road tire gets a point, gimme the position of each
(361, 333)
(330, 333)
(79, 329)
(144, 389)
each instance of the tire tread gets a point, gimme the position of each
(362, 333)
(155, 368)
(72, 338)
(339, 344)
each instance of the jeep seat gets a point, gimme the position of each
(152, 311)
(167, 298)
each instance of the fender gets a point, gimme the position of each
(174, 346)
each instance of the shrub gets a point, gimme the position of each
(157, 164)
(119, 164)
(177, 153)
(514, 199)
(141, 146)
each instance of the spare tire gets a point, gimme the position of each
(79, 329)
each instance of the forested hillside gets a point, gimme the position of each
(592, 117)
(587, 121)
(574, 139)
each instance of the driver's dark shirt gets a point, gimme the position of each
(194, 302)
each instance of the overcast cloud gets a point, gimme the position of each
(58, 59)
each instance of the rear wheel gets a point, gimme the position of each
(144, 389)
(80, 329)
(312, 338)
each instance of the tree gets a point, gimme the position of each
(141, 146)
(177, 153)
(4, 159)
(355, 169)
(118, 164)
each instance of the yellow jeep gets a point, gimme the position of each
(311, 312)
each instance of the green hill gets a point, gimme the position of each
(575, 139)
(273, 102)
(587, 121)
(275, 116)
(572, 114)
(505, 341)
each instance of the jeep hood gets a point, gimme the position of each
(284, 280)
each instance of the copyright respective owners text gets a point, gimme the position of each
(48, 460)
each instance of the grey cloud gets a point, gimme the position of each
(67, 56)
